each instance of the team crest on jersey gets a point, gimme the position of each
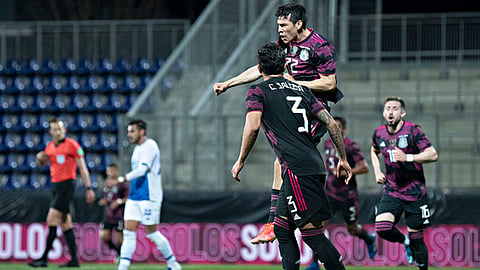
(60, 159)
(402, 141)
(304, 55)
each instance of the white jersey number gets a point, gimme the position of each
(296, 109)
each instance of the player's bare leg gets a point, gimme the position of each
(267, 234)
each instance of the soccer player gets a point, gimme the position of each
(404, 147)
(342, 197)
(114, 198)
(284, 110)
(64, 155)
(311, 62)
(145, 197)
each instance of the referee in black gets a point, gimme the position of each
(285, 111)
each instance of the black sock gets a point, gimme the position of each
(365, 237)
(287, 243)
(52, 234)
(387, 231)
(419, 249)
(273, 205)
(323, 248)
(72, 246)
(111, 245)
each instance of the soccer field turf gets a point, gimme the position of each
(90, 266)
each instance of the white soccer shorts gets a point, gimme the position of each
(146, 212)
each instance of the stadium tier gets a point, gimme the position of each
(87, 95)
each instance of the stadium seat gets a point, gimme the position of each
(144, 81)
(48, 67)
(129, 84)
(42, 124)
(83, 121)
(109, 84)
(92, 85)
(67, 67)
(141, 66)
(157, 65)
(30, 67)
(26, 163)
(12, 67)
(46, 103)
(85, 67)
(99, 102)
(104, 66)
(8, 104)
(28, 121)
(3, 85)
(35, 86)
(34, 182)
(109, 141)
(33, 142)
(27, 103)
(73, 85)
(55, 84)
(121, 66)
(9, 121)
(93, 161)
(65, 103)
(120, 103)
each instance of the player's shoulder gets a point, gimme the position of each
(381, 128)
(71, 141)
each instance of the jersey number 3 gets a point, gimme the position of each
(295, 109)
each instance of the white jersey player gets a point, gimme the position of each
(145, 197)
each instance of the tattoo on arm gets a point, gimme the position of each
(335, 134)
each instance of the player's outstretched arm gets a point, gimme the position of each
(250, 75)
(337, 138)
(326, 83)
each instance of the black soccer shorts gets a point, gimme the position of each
(417, 213)
(302, 199)
(348, 209)
(63, 195)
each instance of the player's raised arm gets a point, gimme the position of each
(250, 75)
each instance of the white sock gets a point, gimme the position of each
(163, 245)
(127, 249)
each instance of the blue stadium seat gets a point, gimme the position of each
(65, 103)
(8, 104)
(26, 163)
(99, 102)
(36, 182)
(3, 145)
(33, 142)
(3, 85)
(85, 67)
(12, 67)
(129, 84)
(27, 104)
(28, 121)
(48, 67)
(109, 141)
(46, 103)
(120, 103)
(9, 122)
(74, 84)
(55, 84)
(42, 124)
(67, 67)
(144, 81)
(157, 65)
(92, 85)
(121, 66)
(109, 84)
(104, 66)
(30, 67)
(93, 161)
(35, 86)
(141, 66)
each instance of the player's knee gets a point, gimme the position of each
(384, 229)
(354, 229)
(282, 228)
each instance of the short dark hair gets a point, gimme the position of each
(54, 120)
(271, 59)
(139, 123)
(113, 165)
(341, 120)
(297, 12)
(395, 98)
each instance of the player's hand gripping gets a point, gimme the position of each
(380, 178)
(343, 168)
(219, 88)
(237, 167)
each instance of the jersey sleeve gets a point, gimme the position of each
(420, 139)
(77, 150)
(315, 105)
(255, 99)
(374, 141)
(325, 59)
